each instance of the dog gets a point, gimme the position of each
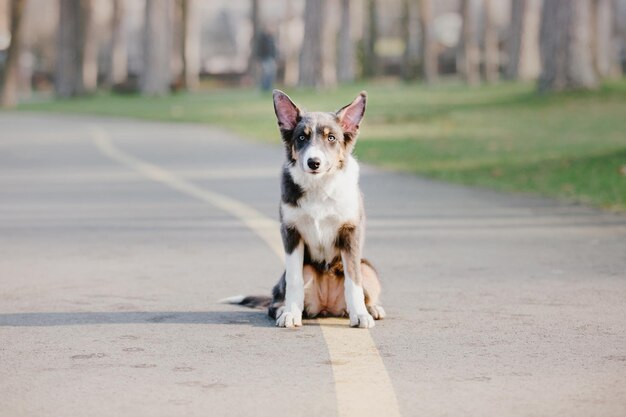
(322, 221)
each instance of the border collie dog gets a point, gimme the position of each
(322, 221)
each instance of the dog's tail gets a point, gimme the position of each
(252, 301)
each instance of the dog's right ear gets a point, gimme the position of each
(287, 113)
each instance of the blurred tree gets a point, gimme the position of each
(9, 81)
(346, 53)
(618, 37)
(329, 46)
(90, 44)
(69, 79)
(492, 52)
(190, 45)
(317, 66)
(523, 40)
(468, 57)
(255, 19)
(428, 48)
(604, 43)
(155, 76)
(370, 37)
(118, 60)
(290, 45)
(566, 46)
(409, 59)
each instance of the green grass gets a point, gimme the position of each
(505, 136)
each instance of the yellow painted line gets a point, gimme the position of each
(362, 385)
(263, 226)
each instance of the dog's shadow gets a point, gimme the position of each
(254, 318)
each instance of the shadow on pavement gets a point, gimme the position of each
(249, 318)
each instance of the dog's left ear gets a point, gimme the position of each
(350, 116)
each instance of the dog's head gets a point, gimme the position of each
(318, 142)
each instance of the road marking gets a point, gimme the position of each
(362, 385)
(263, 226)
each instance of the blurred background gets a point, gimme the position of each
(74, 47)
(523, 95)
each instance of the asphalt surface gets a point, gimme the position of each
(497, 305)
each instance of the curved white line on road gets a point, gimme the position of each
(362, 385)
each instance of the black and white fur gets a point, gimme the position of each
(322, 220)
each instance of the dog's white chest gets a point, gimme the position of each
(322, 210)
(318, 226)
(318, 223)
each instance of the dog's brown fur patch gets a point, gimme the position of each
(324, 290)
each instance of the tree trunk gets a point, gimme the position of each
(516, 34)
(523, 40)
(329, 51)
(492, 53)
(9, 82)
(370, 58)
(255, 19)
(412, 37)
(617, 43)
(566, 46)
(407, 64)
(190, 45)
(90, 46)
(428, 48)
(118, 59)
(290, 48)
(469, 51)
(316, 57)
(346, 53)
(605, 51)
(155, 76)
(69, 65)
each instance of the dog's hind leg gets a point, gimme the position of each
(372, 288)
(312, 301)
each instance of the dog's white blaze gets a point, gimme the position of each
(328, 203)
(314, 151)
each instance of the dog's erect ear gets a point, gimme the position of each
(287, 113)
(350, 116)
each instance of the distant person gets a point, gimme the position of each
(266, 52)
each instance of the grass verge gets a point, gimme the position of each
(505, 136)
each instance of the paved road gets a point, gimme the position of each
(117, 238)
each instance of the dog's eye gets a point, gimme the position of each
(302, 138)
(331, 138)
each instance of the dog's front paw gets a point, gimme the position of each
(363, 321)
(377, 312)
(289, 319)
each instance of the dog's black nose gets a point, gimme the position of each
(314, 163)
